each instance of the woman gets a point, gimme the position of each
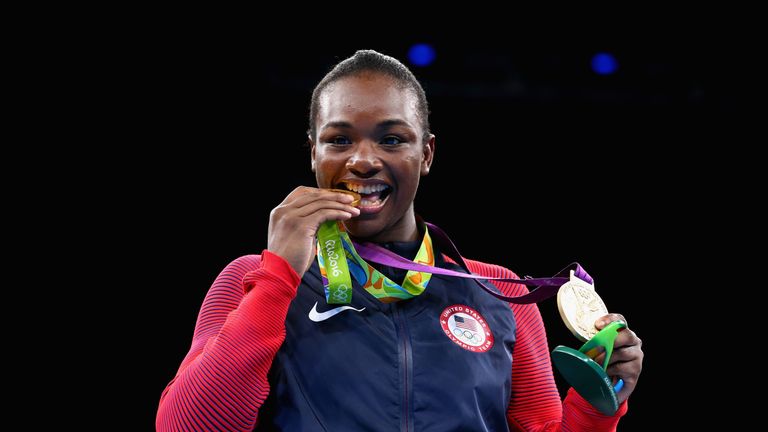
(410, 351)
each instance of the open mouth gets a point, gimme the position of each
(372, 196)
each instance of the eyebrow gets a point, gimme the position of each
(392, 122)
(337, 124)
(382, 124)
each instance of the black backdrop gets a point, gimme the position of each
(539, 162)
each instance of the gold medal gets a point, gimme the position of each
(355, 195)
(580, 307)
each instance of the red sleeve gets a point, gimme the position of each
(222, 381)
(535, 402)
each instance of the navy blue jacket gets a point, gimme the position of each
(392, 366)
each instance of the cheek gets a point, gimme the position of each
(408, 171)
(327, 168)
(412, 165)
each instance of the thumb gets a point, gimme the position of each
(607, 319)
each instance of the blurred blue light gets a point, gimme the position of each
(421, 55)
(604, 64)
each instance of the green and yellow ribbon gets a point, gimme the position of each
(338, 260)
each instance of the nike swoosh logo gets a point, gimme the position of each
(316, 316)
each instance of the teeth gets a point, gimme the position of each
(370, 203)
(367, 189)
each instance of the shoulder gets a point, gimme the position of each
(230, 279)
(489, 270)
(494, 271)
(240, 266)
(244, 263)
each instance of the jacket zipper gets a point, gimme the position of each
(406, 368)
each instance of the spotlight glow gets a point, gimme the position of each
(421, 55)
(604, 64)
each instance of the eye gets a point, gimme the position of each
(341, 140)
(391, 140)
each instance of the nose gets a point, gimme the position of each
(364, 161)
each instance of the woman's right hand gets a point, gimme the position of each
(294, 223)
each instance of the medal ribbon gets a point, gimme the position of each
(544, 287)
(338, 286)
(338, 259)
(358, 253)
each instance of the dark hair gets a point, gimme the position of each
(370, 61)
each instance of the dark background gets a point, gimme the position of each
(539, 162)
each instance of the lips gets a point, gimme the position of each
(374, 194)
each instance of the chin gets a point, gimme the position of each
(362, 227)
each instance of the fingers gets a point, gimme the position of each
(315, 206)
(607, 319)
(627, 372)
(626, 362)
(304, 195)
(324, 215)
(624, 347)
(625, 355)
(304, 201)
(626, 337)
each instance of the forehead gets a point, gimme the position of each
(355, 97)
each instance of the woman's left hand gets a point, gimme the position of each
(627, 359)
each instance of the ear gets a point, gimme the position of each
(428, 153)
(312, 147)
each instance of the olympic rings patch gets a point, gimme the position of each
(466, 328)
